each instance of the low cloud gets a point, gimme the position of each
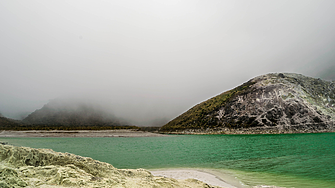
(149, 61)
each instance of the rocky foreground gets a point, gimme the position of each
(28, 167)
(268, 104)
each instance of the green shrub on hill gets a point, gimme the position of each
(195, 118)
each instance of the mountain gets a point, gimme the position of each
(72, 113)
(271, 103)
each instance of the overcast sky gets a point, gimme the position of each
(155, 59)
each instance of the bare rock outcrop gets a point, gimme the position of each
(272, 103)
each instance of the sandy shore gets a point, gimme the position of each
(212, 177)
(79, 133)
(208, 176)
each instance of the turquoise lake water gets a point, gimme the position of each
(291, 160)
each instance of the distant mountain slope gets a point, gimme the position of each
(72, 113)
(272, 103)
(6, 123)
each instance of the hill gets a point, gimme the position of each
(271, 103)
(66, 114)
(9, 124)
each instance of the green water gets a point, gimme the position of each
(294, 160)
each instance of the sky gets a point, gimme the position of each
(149, 61)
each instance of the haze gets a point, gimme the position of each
(149, 61)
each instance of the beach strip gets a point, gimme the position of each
(80, 133)
(208, 176)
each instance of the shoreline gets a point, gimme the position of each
(213, 177)
(80, 133)
(122, 133)
(210, 176)
(247, 131)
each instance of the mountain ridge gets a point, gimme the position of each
(73, 113)
(64, 114)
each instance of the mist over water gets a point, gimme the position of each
(149, 61)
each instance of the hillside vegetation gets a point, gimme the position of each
(8, 124)
(197, 116)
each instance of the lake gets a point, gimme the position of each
(290, 160)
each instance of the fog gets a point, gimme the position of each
(149, 61)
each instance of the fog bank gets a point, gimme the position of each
(150, 60)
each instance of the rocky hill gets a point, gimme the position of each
(272, 103)
(72, 114)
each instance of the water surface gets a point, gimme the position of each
(291, 160)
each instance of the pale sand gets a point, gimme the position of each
(80, 133)
(211, 177)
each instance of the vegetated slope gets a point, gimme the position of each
(72, 115)
(272, 103)
(9, 124)
(23, 166)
